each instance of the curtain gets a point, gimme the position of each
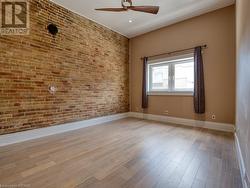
(199, 89)
(144, 84)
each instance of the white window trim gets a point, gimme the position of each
(170, 61)
(180, 93)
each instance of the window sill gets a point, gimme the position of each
(180, 93)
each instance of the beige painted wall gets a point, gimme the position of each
(217, 30)
(243, 80)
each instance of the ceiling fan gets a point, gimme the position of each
(128, 5)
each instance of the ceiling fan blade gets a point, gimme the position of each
(111, 9)
(147, 9)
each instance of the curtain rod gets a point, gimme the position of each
(203, 47)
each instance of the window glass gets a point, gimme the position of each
(184, 76)
(160, 78)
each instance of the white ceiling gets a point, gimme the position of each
(171, 11)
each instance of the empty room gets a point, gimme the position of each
(125, 94)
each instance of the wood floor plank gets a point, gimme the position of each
(128, 153)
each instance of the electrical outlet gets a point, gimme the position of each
(213, 117)
(166, 112)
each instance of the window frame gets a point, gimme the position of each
(171, 62)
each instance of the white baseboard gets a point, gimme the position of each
(241, 162)
(42, 132)
(47, 131)
(188, 122)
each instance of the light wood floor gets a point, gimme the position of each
(124, 153)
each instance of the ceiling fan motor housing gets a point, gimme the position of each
(126, 3)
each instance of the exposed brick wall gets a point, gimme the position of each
(87, 62)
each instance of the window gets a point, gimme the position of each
(173, 75)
